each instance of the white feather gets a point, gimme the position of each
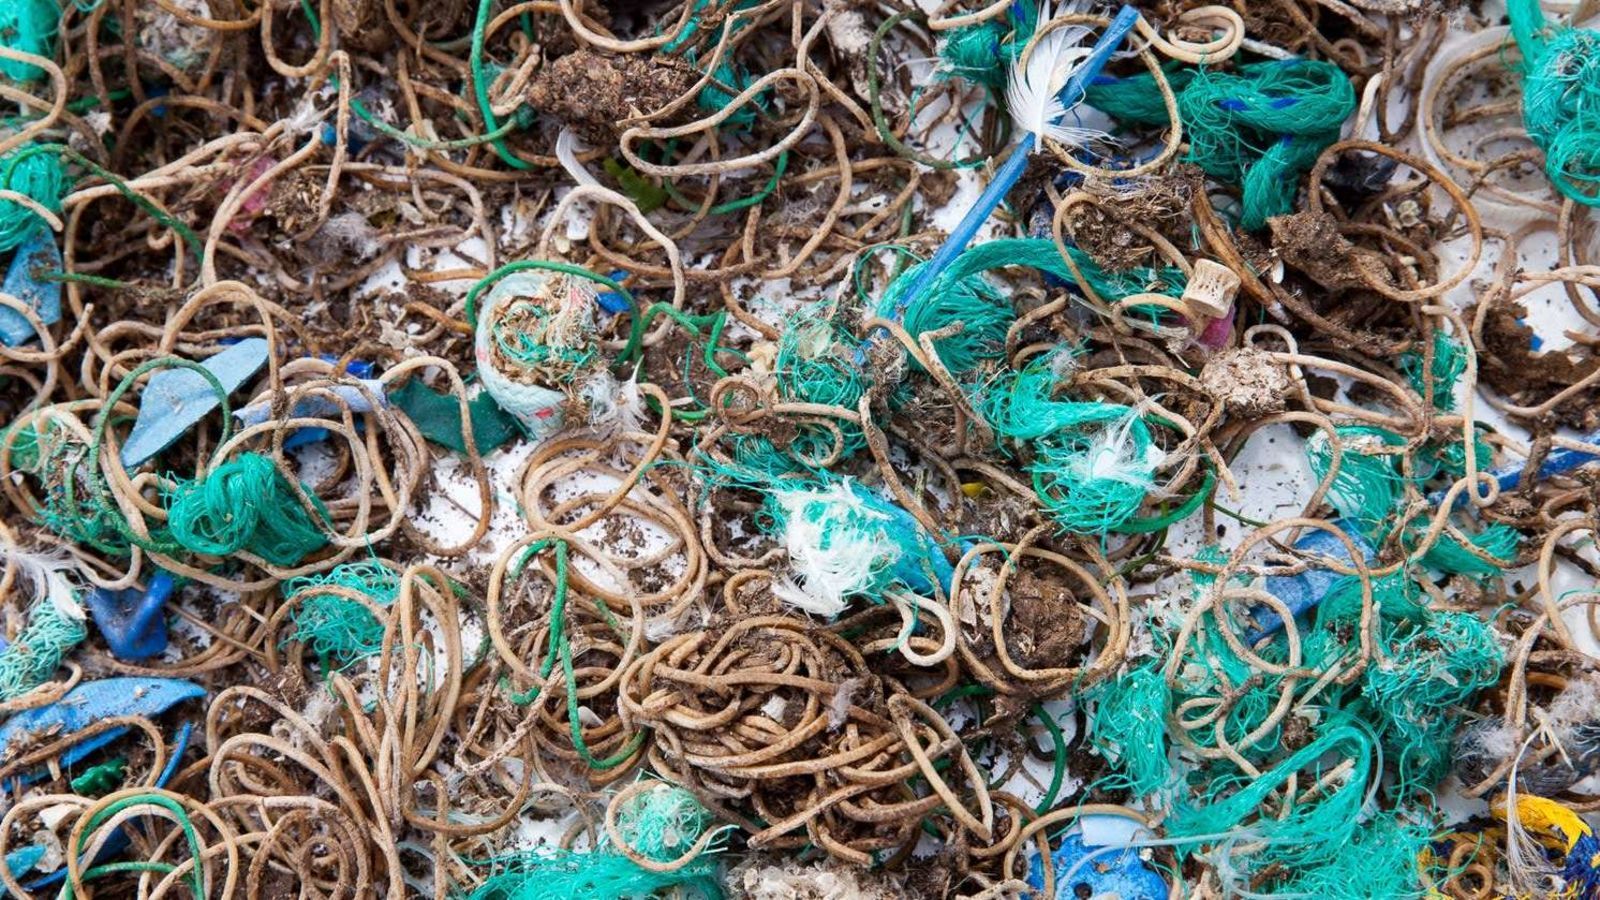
(1036, 80)
(47, 576)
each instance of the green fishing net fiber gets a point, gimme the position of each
(336, 627)
(28, 26)
(815, 365)
(1092, 463)
(662, 823)
(1449, 364)
(38, 651)
(243, 504)
(1369, 486)
(1561, 98)
(36, 174)
(1261, 126)
(1129, 729)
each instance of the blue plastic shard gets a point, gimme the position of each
(22, 860)
(133, 622)
(1558, 461)
(1303, 591)
(119, 840)
(89, 703)
(175, 399)
(320, 406)
(38, 253)
(1117, 873)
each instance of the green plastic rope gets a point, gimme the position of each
(38, 176)
(1261, 127)
(244, 504)
(36, 654)
(335, 627)
(1561, 98)
(28, 26)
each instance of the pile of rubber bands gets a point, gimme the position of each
(799, 449)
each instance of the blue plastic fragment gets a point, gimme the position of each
(133, 622)
(1559, 461)
(320, 406)
(360, 368)
(175, 399)
(1303, 591)
(611, 302)
(22, 860)
(1121, 874)
(38, 253)
(314, 407)
(119, 840)
(89, 703)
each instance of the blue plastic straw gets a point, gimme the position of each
(1556, 462)
(1011, 170)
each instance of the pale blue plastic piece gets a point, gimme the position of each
(38, 253)
(175, 399)
(320, 406)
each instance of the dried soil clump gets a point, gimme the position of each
(1511, 366)
(591, 92)
(1311, 243)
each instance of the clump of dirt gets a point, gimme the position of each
(1102, 230)
(294, 200)
(1045, 628)
(1508, 363)
(362, 25)
(1310, 242)
(591, 92)
(1246, 381)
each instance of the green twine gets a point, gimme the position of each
(1093, 463)
(1368, 487)
(1304, 834)
(661, 824)
(36, 175)
(1260, 127)
(1383, 858)
(1499, 541)
(38, 651)
(335, 627)
(1426, 671)
(959, 295)
(244, 504)
(1449, 364)
(1129, 729)
(815, 364)
(1561, 99)
(54, 456)
(28, 26)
